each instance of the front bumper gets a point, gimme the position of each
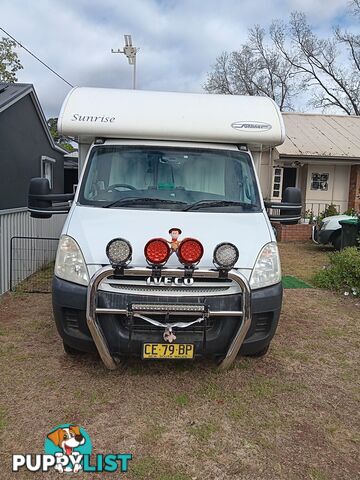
(245, 322)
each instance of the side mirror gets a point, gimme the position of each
(40, 199)
(288, 211)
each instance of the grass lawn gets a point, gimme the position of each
(290, 415)
(303, 260)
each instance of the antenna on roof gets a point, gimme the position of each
(130, 52)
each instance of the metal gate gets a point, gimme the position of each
(32, 263)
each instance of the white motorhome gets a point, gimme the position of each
(167, 250)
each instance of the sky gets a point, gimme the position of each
(179, 40)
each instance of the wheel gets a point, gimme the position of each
(70, 350)
(336, 240)
(259, 353)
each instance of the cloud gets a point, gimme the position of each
(178, 40)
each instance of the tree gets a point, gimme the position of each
(294, 60)
(355, 6)
(257, 68)
(62, 140)
(320, 63)
(9, 61)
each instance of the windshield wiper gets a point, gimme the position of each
(140, 200)
(218, 203)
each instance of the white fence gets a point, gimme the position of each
(17, 222)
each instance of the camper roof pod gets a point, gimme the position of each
(138, 114)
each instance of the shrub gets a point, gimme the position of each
(342, 273)
(352, 212)
(329, 211)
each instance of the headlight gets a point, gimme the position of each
(225, 256)
(119, 252)
(267, 270)
(70, 264)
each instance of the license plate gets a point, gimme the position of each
(168, 350)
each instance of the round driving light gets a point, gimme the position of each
(157, 251)
(190, 251)
(226, 255)
(119, 252)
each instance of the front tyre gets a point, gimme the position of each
(71, 351)
(259, 353)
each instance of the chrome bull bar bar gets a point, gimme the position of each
(98, 336)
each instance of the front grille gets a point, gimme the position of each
(169, 290)
(139, 286)
(140, 325)
(114, 300)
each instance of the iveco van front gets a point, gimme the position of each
(167, 251)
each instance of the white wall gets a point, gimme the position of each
(338, 187)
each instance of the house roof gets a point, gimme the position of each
(313, 135)
(11, 93)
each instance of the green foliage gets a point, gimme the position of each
(342, 273)
(9, 61)
(68, 147)
(60, 139)
(310, 215)
(352, 212)
(329, 211)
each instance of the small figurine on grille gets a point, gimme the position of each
(174, 242)
(169, 335)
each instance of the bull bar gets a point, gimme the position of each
(99, 338)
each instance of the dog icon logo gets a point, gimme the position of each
(68, 443)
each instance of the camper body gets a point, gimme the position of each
(177, 169)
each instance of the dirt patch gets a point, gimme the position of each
(303, 260)
(290, 415)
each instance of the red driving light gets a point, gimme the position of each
(157, 251)
(190, 251)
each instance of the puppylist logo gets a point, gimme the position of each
(68, 449)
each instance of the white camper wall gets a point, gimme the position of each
(137, 114)
(83, 151)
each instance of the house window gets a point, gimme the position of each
(47, 169)
(277, 182)
(319, 181)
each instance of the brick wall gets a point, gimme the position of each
(354, 187)
(293, 233)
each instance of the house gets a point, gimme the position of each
(321, 156)
(27, 150)
(71, 171)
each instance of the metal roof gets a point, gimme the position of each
(11, 92)
(313, 135)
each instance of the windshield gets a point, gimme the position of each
(169, 178)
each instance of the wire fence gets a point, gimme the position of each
(32, 263)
